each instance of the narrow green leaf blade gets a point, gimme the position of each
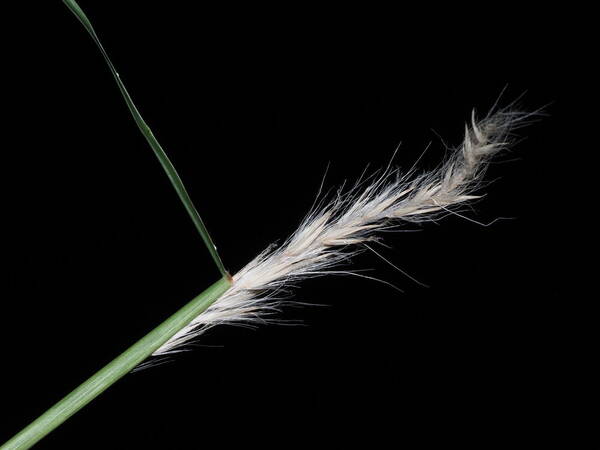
(156, 147)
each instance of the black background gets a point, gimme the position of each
(251, 103)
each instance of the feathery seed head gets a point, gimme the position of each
(329, 235)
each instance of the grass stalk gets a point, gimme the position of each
(116, 369)
(138, 352)
(154, 144)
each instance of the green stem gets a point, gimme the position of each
(158, 151)
(116, 369)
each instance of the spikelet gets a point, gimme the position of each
(331, 234)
